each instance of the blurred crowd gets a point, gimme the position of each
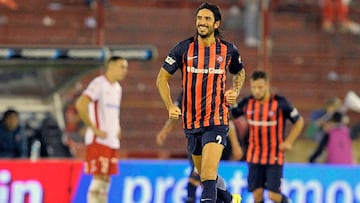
(22, 133)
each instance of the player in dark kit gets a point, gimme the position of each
(266, 114)
(204, 60)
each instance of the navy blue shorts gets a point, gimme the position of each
(197, 140)
(265, 176)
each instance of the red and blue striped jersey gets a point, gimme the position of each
(266, 122)
(204, 70)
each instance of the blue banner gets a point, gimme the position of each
(165, 181)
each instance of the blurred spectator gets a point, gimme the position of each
(51, 138)
(336, 140)
(9, 3)
(355, 131)
(91, 3)
(94, 3)
(320, 116)
(337, 11)
(13, 142)
(251, 23)
(234, 18)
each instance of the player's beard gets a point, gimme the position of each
(208, 34)
(262, 97)
(259, 97)
(204, 36)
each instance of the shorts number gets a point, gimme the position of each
(219, 139)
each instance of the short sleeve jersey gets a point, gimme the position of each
(204, 71)
(266, 127)
(104, 110)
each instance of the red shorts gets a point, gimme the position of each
(101, 160)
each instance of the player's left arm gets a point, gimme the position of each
(298, 124)
(238, 81)
(236, 67)
(293, 134)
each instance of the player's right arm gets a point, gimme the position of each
(82, 105)
(162, 83)
(172, 62)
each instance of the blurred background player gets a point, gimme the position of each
(266, 114)
(99, 109)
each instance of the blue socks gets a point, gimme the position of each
(209, 192)
(191, 189)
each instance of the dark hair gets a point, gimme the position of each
(8, 113)
(215, 10)
(337, 117)
(114, 58)
(259, 74)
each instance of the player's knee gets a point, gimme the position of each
(104, 178)
(93, 192)
(208, 175)
(275, 197)
(95, 186)
(98, 186)
(258, 195)
(103, 197)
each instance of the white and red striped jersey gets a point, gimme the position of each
(104, 110)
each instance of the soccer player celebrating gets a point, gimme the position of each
(204, 60)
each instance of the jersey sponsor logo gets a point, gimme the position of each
(262, 123)
(205, 71)
(170, 60)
